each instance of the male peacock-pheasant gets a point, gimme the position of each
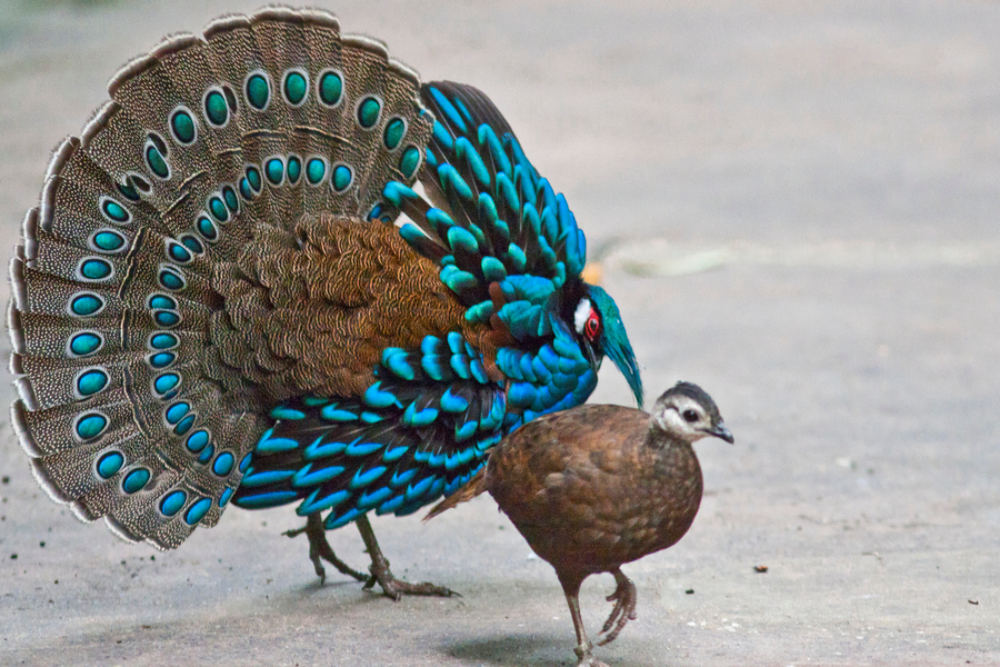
(232, 292)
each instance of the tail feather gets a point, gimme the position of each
(207, 143)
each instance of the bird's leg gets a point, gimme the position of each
(584, 649)
(625, 598)
(319, 548)
(391, 586)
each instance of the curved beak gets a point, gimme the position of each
(588, 351)
(722, 432)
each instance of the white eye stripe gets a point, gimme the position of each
(581, 315)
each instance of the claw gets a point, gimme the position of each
(381, 574)
(625, 598)
(320, 550)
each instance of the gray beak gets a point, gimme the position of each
(720, 431)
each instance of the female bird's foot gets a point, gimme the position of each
(586, 657)
(380, 572)
(625, 598)
(320, 550)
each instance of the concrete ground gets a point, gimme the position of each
(798, 207)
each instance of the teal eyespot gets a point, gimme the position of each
(218, 208)
(245, 190)
(394, 131)
(275, 170)
(171, 279)
(85, 344)
(166, 383)
(294, 169)
(216, 108)
(206, 454)
(158, 301)
(224, 498)
(155, 152)
(114, 211)
(178, 253)
(91, 382)
(229, 195)
(331, 88)
(409, 162)
(253, 175)
(163, 341)
(223, 464)
(295, 88)
(245, 463)
(176, 412)
(172, 503)
(192, 244)
(93, 268)
(369, 111)
(197, 441)
(109, 464)
(135, 481)
(258, 91)
(375, 212)
(342, 177)
(162, 360)
(90, 425)
(207, 228)
(106, 240)
(197, 511)
(315, 170)
(85, 304)
(166, 318)
(182, 126)
(185, 425)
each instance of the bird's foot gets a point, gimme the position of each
(391, 586)
(586, 657)
(625, 598)
(320, 550)
(395, 588)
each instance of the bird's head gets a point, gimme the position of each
(686, 412)
(598, 323)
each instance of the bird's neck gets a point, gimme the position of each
(676, 466)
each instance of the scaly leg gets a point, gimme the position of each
(584, 649)
(625, 598)
(319, 548)
(391, 586)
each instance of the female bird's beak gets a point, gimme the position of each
(720, 431)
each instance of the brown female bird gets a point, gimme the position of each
(600, 485)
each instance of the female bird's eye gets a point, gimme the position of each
(690, 416)
(593, 326)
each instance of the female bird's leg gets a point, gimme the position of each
(391, 586)
(625, 598)
(584, 648)
(320, 548)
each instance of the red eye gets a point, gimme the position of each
(593, 325)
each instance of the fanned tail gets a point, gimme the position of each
(126, 409)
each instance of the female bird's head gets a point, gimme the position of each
(598, 323)
(686, 412)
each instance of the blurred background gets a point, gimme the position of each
(795, 204)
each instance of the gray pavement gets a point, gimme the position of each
(798, 206)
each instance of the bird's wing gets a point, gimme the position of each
(509, 247)
(421, 430)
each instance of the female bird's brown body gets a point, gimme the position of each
(595, 487)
